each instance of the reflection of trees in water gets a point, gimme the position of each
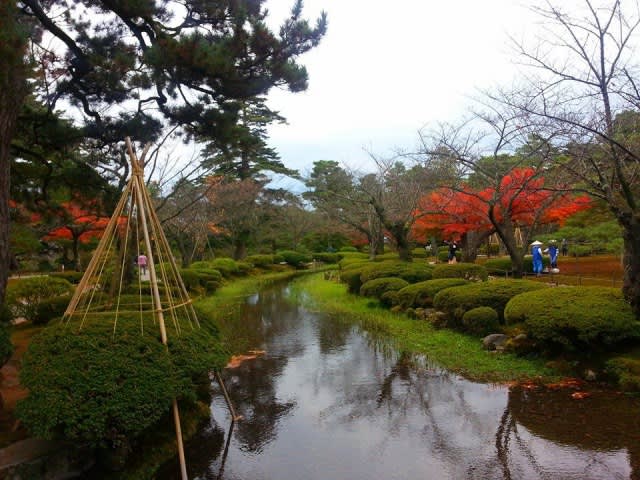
(251, 387)
(417, 397)
(332, 334)
(601, 423)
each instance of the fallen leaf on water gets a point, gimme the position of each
(237, 360)
(580, 395)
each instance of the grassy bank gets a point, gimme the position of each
(454, 351)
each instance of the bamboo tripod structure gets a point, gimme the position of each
(134, 213)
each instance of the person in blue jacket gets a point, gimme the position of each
(553, 253)
(536, 252)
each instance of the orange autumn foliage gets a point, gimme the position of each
(521, 198)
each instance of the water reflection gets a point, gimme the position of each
(329, 401)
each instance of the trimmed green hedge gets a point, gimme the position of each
(467, 271)
(356, 275)
(228, 267)
(260, 260)
(50, 308)
(102, 388)
(326, 257)
(421, 294)
(201, 280)
(575, 317)
(455, 301)
(295, 259)
(69, 276)
(25, 295)
(378, 286)
(502, 265)
(409, 271)
(481, 321)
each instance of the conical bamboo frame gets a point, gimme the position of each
(137, 199)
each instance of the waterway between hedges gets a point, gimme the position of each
(328, 400)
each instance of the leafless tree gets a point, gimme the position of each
(583, 89)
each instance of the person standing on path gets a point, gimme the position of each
(536, 252)
(142, 263)
(553, 254)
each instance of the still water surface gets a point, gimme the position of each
(328, 400)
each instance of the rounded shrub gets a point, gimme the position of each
(352, 276)
(378, 286)
(481, 321)
(625, 372)
(348, 262)
(421, 294)
(103, 388)
(502, 265)
(467, 271)
(260, 260)
(25, 295)
(575, 317)
(498, 266)
(226, 266)
(409, 271)
(295, 259)
(455, 301)
(70, 276)
(349, 249)
(326, 257)
(50, 308)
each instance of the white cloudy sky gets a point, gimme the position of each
(386, 69)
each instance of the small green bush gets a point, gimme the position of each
(326, 257)
(199, 280)
(498, 266)
(260, 261)
(24, 295)
(295, 259)
(419, 253)
(625, 372)
(348, 249)
(503, 265)
(378, 286)
(50, 308)
(575, 317)
(71, 277)
(226, 266)
(481, 321)
(352, 278)
(467, 271)
(347, 262)
(421, 294)
(98, 387)
(455, 301)
(412, 272)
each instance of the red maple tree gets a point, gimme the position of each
(80, 225)
(521, 201)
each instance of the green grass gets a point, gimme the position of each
(454, 351)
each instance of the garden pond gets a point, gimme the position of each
(322, 398)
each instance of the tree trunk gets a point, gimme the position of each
(631, 262)
(13, 89)
(401, 237)
(471, 242)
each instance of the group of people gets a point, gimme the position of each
(551, 250)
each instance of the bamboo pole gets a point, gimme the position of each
(139, 184)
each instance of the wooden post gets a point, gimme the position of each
(138, 186)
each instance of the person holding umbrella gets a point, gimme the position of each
(536, 253)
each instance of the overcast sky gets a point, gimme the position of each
(386, 69)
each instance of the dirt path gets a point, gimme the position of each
(10, 388)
